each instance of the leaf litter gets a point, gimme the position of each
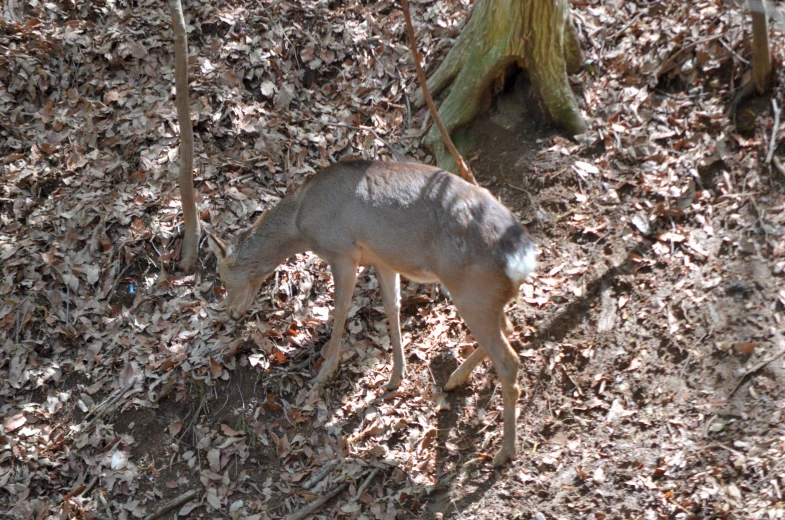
(651, 337)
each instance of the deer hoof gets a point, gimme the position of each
(456, 380)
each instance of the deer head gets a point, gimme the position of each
(238, 278)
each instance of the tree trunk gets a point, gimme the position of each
(535, 34)
(761, 57)
(190, 247)
(464, 170)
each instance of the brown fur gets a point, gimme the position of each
(404, 218)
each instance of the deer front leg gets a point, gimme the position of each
(390, 284)
(344, 278)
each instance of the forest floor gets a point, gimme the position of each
(651, 338)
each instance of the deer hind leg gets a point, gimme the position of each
(463, 372)
(344, 278)
(390, 284)
(507, 327)
(486, 320)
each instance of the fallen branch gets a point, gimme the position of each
(364, 485)
(196, 417)
(756, 368)
(89, 487)
(174, 504)
(463, 168)
(311, 482)
(625, 27)
(774, 130)
(304, 363)
(316, 504)
(670, 63)
(102, 408)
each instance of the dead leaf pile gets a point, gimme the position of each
(123, 386)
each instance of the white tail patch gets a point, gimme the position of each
(521, 263)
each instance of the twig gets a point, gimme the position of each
(311, 482)
(101, 409)
(522, 190)
(669, 64)
(265, 9)
(117, 280)
(90, 486)
(577, 387)
(405, 97)
(732, 51)
(488, 403)
(773, 142)
(189, 247)
(196, 417)
(756, 368)
(626, 26)
(364, 485)
(303, 364)
(718, 445)
(464, 169)
(689, 353)
(316, 504)
(177, 502)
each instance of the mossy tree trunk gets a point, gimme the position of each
(538, 35)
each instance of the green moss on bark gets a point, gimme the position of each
(537, 35)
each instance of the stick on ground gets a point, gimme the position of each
(311, 482)
(98, 411)
(174, 504)
(756, 368)
(364, 485)
(316, 504)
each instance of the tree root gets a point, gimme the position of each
(537, 33)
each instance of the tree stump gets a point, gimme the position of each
(537, 35)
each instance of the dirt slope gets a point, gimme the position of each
(651, 337)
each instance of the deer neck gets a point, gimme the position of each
(272, 239)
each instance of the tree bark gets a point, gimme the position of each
(538, 35)
(190, 251)
(761, 56)
(464, 170)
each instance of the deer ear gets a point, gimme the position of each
(219, 248)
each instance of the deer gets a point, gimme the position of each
(405, 219)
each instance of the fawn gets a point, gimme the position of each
(407, 218)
